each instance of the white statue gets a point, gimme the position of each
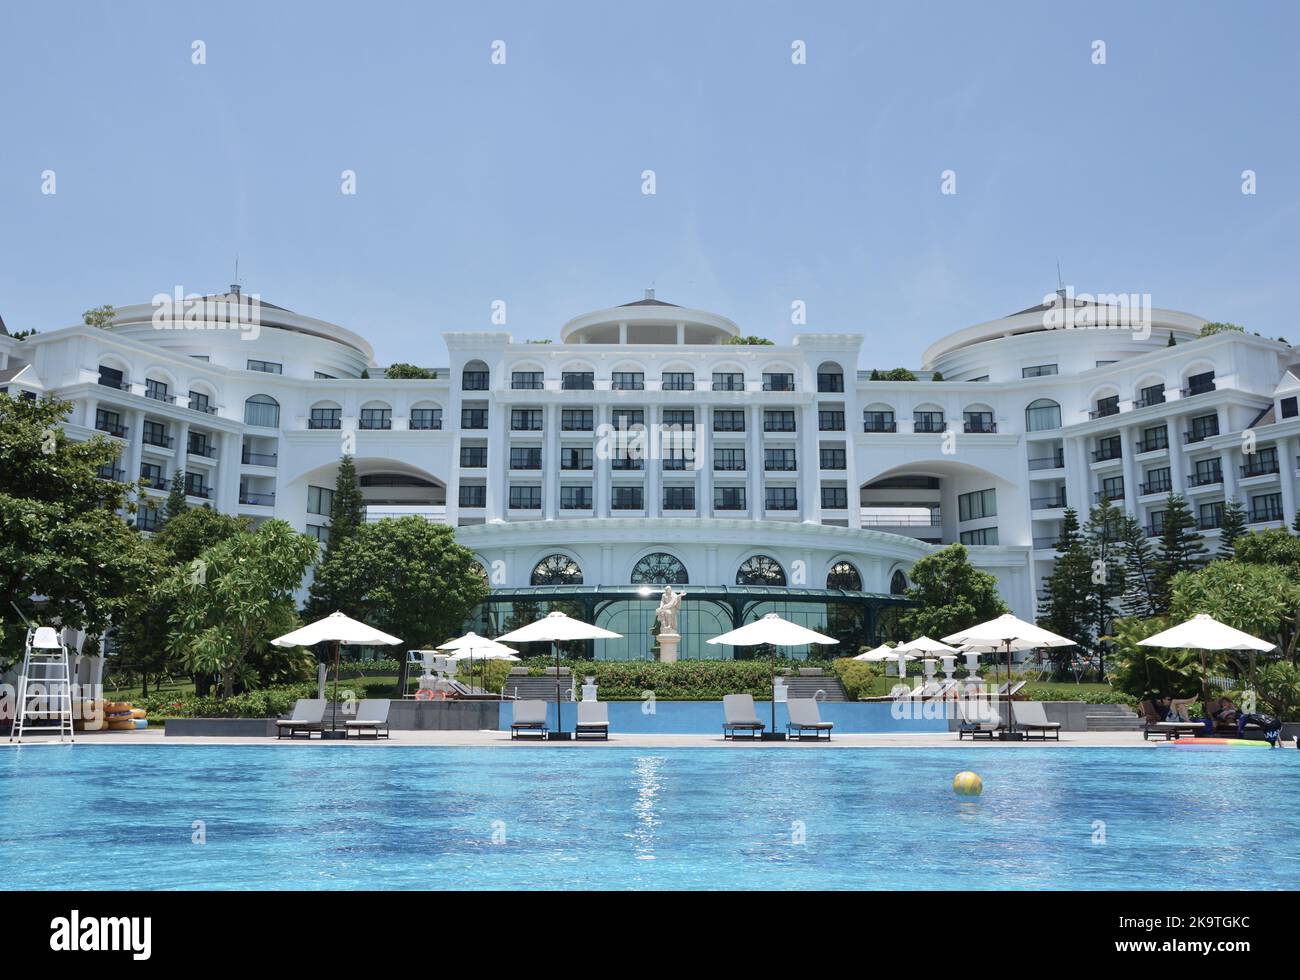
(669, 606)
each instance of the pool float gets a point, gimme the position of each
(967, 784)
(139, 713)
(121, 725)
(425, 694)
(1227, 743)
(140, 723)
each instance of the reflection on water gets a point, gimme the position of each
(649, 782)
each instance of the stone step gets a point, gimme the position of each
(1122, 710)
(826, 687)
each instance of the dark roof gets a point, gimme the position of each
(227, 297)
(648, 302)
(1044, 307)
(4, 331)
(1265, 417)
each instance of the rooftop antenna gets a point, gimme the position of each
(234, 286)
(1060, 283)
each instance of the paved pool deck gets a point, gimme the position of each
(460, 739)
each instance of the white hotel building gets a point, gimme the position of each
(809, 486)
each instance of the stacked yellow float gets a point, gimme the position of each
(115, 716)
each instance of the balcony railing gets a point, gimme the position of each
(525, 385)
(879, 426)
(1146, 401)
(830, 421)
(1206, 479)
(162, 483)
(1114, 498)
(628, 384)
(203, 493)
(901, 520)
(259, 459)
(1200, 389)
(207, 408)
(1152, 445)
(375, 424)
(1210, 523)
(424, 425)
(1055, 462)
(324, 423)
(1261, 515)
(777, 384)
(679, 386)
(115, 385)
(1104, 412)
(1154, 530)
(1107, 454)
(1048, 503)
(257, 499)
(1201, 435)
(163, 442)
(160, 396)
(981, 427)
(110, 473)
(1045, 543)
(778, 425)
(1156, 486)
(1259, 468)
(929, 425)
(571, 383)
(208, 451)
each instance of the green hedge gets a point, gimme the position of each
(686, 680)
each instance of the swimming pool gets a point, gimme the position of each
(325, 817)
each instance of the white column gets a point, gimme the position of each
(182, 441)
(551, 462)
(704, 462)
(226, 478)
(134, 443)
(654, 463)
(600, 467)
(498, 460)
(1128, 452)
(1229, 460)
(754, 462)
(1177, 471)
(810, 497)
(1286, 465)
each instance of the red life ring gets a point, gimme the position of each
(424, 694)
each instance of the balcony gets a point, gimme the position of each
(578, 382)
(206, 407)
(203, 450)
(115, 385)
(258, 459)
(1045, 543)
(1200, 435)
(474, 381)
(929, 425)
(1146, 401)
(1259, 468)
(979, 426)
(324, 423)
(160, 484)
(902, 520)
(1156, 486)
(425, 424)
(162, 442)
(527, 384)
(728, 384)
(112, 428)
(1197, 389)
(160, 396)
(830, 383)
(1207, 479)
(1104, 411)
(1263, 515)
(1152, 445)
(679, 386)
(1212, 523)
(879, 426)
(628, 384)
(110, 473)
(830, 421)
(375, 424)
(778, 425)
(622, 464)
(257, 499)
(1154, 530)
(1054, 462)
(778, 384)
(1048, 503)
(1107, 454)
(202, 492)
(1101, 496)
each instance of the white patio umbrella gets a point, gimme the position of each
(778, 632)
(554, 628)
(1203, 632)
(338, 629)
(879, 654)
(922, 645)
(1007, 633)
(466, 646)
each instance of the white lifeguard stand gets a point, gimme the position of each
(44, 702)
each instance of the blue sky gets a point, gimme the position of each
(775, 182)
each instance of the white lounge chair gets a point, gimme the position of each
(977, 719)
(739, 716)
(372, 717)
(1032, 717)
(593, 720)
(805, 716)
(528, 719)
(308, 716)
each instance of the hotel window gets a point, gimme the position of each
(976, 505)
(376, 418)
(626, 498)
(201, 445)
(879, 421)
(525, 420)
(1151, 395)
(1208, 471)
(1261, 462)
(1158, 481)
(110, 422)
(325, 418)
(525, 498)
(729, 460)
(1199, 384)
(728, 420)
(151, 475)
(201, 403)
(978, 421)
(1290, 407)
(679, 381)
(262, 410)
(578, 458)
(578, 380)
(426, 418)
(195, 487)
(835, 498)
(112, 378)
(625, 461)
(266, 367)
(1107, 406)
(983, 535)
(576, 420)
(473, 495)
(1112, 489)
(728, 381)
(781, 498)
(1038, 371)
(830, 381)
(154, 434)
(779, 459)
(157, 390)
(1209, 516)
(1157, 525)
(1041, 415)
(777, 381)
(575, 498)
(526, 380)
(473, 457)
(627, 381)
(679, 498)
(1156, 437)
(525, 458)
(1203, 427)
(1109, 447)
(833, 459)
(473, 380)
(927, 422)
(681, 418)
(627, 418)
(320, 532)
(728, 498)
(830, 421)
(1266, 507)
(780, 421)
(148, 518)
(320, 500)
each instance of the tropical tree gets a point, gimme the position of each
(407, 372)
(233, 599)
(1182, 549)
(1151, 672)
(953, 594)
(100, 316)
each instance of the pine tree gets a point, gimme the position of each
(347, 514)
(1182, 549)
(1139, 570)
(1103, 538)
(1232, 527)
(1064, 606)
(1295, 525)
(175, 503)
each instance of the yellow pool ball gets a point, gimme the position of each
(967, 784)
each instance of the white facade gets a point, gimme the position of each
(794, 453)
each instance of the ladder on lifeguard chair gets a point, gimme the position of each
(47, 669)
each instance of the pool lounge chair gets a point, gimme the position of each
(1009, 690)
(740, 717)
(806, 717)
(308, 716)
(372, 717)
(593, 720)
(1153, 725)
(1031, 717)
(528, 719)
(977, 719)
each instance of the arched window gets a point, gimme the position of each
(557, 570)
(843, 575)
(760, 570)
(659, 568)
(898, 583)
(1042, 414)
(262, 410)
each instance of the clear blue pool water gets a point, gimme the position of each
(706, 717)
(317, 817)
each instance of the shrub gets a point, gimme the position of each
(858, 677)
